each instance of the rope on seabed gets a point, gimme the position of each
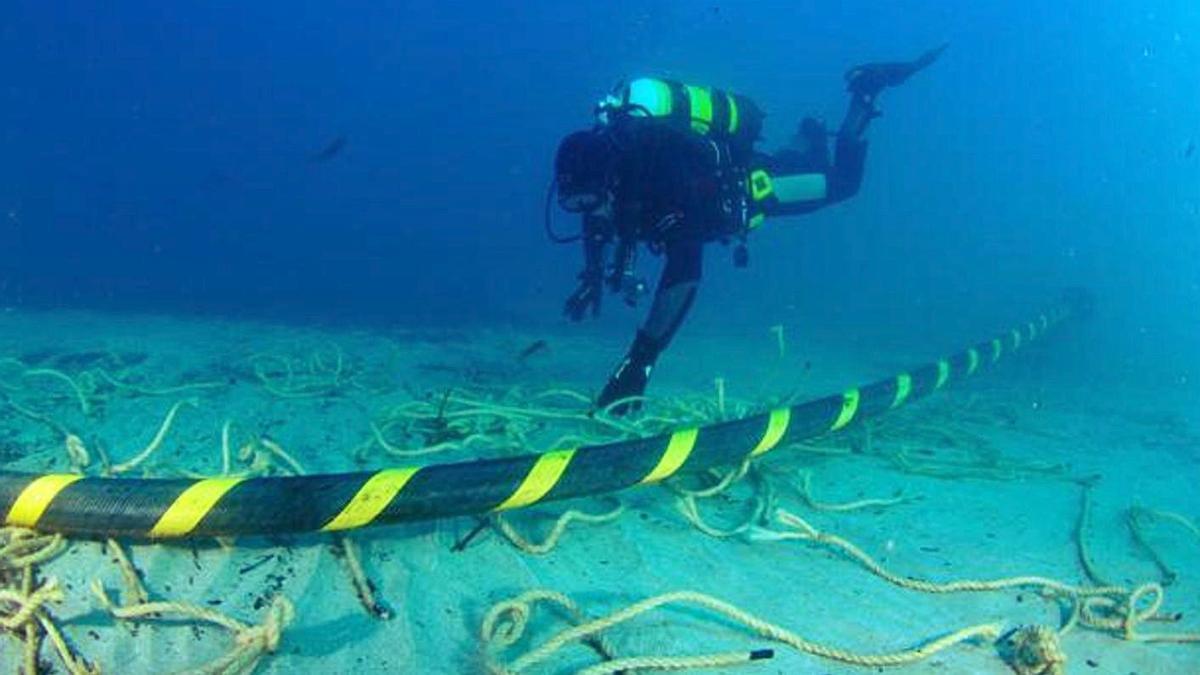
(805, 489)
(165, 391)
(687, 500)
(501, 523)
(505, 624)
(1138, 516)
(251, 642)
(322, 379)
(1110, 609)
(1030, 650)
(129, 573)
(156, 442)
(363, 587)
(26, 608)
(61, 376)
(1082, 525)
(1034, 650)
(762, 502)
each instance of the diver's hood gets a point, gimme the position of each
(582, 165)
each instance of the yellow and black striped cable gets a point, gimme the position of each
(180, 508)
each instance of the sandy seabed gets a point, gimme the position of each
(985, 480)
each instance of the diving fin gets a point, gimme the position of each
(871, 78)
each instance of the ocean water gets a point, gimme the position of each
(272, 240)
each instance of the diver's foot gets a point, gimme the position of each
(622, 394)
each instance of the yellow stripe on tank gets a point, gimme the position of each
(33, 501)
(700, 100)
(371, 499)
(733, 113)
(541, 478)
(903, 389)
(678, 449)
(972, 360)
(190, 507)
(943, 373)
(849, 408)
(777, 426)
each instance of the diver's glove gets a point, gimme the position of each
(869, 79)
(585, 297)
(629, 285)
(622, 275)
(629, 380)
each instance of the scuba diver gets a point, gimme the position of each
(673, 166)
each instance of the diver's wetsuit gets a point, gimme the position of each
(675, 190)
(672, 191)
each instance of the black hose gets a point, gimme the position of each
(546, 218)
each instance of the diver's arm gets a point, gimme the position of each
(597, 233)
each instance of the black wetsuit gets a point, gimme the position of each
(673, 167)
(675, 190)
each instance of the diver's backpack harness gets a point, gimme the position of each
(729, 122)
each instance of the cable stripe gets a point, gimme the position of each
(371, 499)
(678, 449)
(972, 360)
(997, 348)
(903, 389)
(190, 507)
(849, 407)
(777, 425)
(1016, 336)
(541, 478)
(36, 497)
(943, 373)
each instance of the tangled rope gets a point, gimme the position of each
(688, 499)
(250, 642)
(25, 606)
(506, 623)
(1034, 650)
(1111, 609)
(502, 524)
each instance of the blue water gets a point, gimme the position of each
(157, 155)
(307, 164)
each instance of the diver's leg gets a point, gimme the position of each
(672, 300)
(865, 83)
(814, 181)
(850, 149)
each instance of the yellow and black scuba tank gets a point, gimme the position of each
(720, 115)
(729, 122)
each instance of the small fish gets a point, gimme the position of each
(534, 347)
(330, 151)
(1189, 149)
